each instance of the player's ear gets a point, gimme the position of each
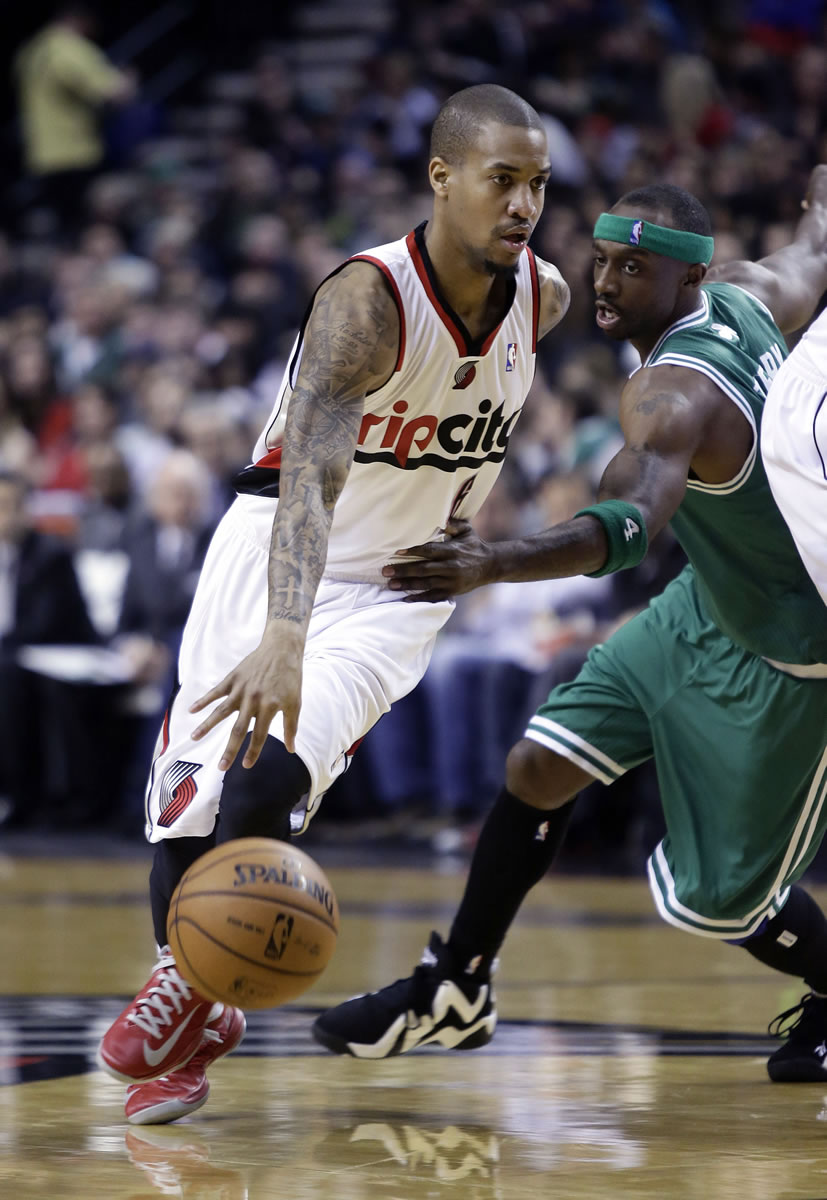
(438, 174)
(695, 275)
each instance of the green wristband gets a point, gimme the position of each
(625, 533)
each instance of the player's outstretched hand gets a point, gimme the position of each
(266, 682)
(445, 569)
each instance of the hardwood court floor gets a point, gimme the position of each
(629, 1061)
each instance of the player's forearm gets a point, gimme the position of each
(802, 265)
(298, 547)
(805, 258)
(576, 547)
(317, 454)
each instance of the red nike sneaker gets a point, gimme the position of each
(160, 1030)
(185, 1090)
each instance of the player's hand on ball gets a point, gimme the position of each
(266, 682)
(460, 563)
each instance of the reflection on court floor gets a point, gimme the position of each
(629, 1061)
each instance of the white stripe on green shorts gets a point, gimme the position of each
(670, 908)
(571, 746)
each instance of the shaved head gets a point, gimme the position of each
(463, 115)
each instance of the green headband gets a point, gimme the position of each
(674, 243)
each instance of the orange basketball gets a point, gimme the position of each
(253, 923)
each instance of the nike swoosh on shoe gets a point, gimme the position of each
(154, 1057)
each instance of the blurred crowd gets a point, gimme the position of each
(149, 297)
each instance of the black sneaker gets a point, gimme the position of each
(440, 1002)
(803, 1057)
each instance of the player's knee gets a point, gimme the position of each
(530, 774)
(257, 801)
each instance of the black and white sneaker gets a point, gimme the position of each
(803, 1057)
(440, 1003)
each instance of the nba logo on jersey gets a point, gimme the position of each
(635, 235)
(511, 356)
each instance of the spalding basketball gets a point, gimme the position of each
(253, 923)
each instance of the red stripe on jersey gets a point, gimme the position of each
(535, 297)
(383, 267)
(422, 272)
(272, 459)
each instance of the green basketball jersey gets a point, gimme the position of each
(748, 572)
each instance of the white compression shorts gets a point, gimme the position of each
(365, 649)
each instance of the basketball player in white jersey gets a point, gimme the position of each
(394, 415)
(794, 447)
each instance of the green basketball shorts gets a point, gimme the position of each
(740, 750)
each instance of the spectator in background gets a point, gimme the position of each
(105, 517)
(42, 725)
(32, 387)
(18, 448)
(63, 81)
(149, 438)
(166, 550)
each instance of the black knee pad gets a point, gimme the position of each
(257, 801)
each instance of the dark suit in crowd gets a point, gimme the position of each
(47, 744)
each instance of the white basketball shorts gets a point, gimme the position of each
(794, 449)
(365, 649)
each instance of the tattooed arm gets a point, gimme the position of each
(674, 420)
(350, 349)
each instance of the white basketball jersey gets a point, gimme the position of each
(811, 350)
(433, 438)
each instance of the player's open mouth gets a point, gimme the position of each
(515, 240)
(606, 317)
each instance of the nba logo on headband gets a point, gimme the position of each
(635, 235)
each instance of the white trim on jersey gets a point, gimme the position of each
(697, 317)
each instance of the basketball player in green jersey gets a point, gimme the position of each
(722, 679)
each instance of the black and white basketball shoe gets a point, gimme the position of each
(803, 1056)
(442, 1003)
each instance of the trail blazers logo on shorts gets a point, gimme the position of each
(178, 790)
